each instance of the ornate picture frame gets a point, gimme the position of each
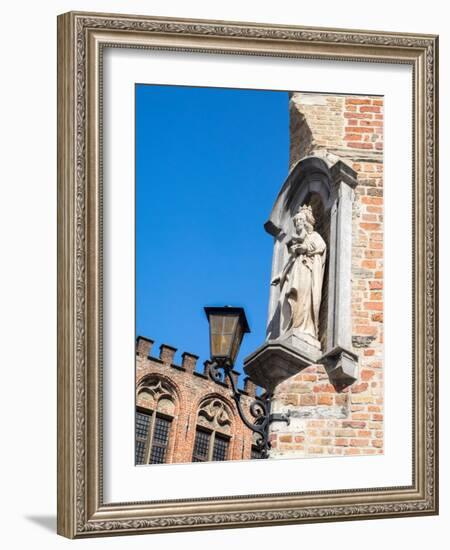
(82, 39)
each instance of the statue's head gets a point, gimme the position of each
(304, 219)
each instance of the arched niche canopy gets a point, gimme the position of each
(309, 182)
(330, 192)
(309, 177)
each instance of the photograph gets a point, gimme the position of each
(223, 242)
(259, 274)
(246, 274)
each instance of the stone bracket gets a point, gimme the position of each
(341, 366)
(276, 361)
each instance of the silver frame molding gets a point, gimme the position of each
(81, 38)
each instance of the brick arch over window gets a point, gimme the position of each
(214, 413)
(157, 406)
(158, 392)
(214, 430)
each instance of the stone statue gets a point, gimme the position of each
(301, 278)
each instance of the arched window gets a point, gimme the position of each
(155, 412)
(213, 431)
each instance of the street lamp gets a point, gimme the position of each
(227, 326)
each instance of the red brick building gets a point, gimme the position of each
(184, 416)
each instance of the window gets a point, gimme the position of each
(220, 448)
(154, 414)
(210, 446)
(160, 440)
(142, 425)
(152, 437)
(214, 431)
(201, 446)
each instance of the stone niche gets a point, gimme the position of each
(328, 192)
(329, 385)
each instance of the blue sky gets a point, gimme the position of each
(209, 164)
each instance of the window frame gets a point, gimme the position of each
(211, 444)
(153, 414)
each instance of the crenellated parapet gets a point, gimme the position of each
(166, 358)
(183, 396)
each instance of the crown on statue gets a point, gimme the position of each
(307, 212)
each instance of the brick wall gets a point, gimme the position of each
(326, 420)
(348, 128)
(190, 389)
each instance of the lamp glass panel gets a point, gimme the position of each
(223, 328)
(236, 344)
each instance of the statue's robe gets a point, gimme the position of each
(302, 289)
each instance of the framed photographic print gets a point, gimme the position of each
(247, 284)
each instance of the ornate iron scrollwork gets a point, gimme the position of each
(220, 371)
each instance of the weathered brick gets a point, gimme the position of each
(358, 145)
(373, 306)
(315, 450)
(372, 200)
(374, 209)
(352, 137)
(325, 399)
(354, 116)
(374, 253)
(308, 399)
(371, 226)
(374, 285)
(328, 388)
(376, 123)
(364, 130)
(366, 335)
(359, 442)
(341, 399)
(358, 388)
(353, 424)
(369, 109)
(292, 399)
(362, 399)
(352, 451)
(367, 374)
(310, 377)
(357, 101)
